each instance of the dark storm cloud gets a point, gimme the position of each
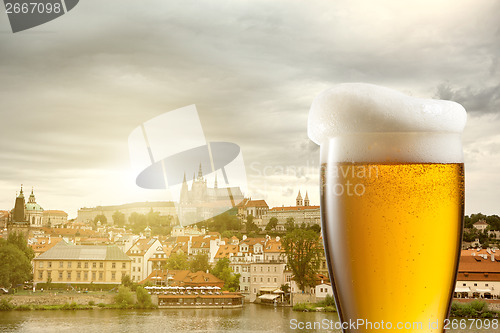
(475, 99)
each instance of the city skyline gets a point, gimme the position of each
(73, 89)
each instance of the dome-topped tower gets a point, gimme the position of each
(34, 212)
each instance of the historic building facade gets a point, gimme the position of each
(302, 212)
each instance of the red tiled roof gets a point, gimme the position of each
(469, 264)
(256, 203)
(273, 246)
(226, 250)
(142, 245)
(481, 222)
(185, 278)
(55, 212)
(292, 208)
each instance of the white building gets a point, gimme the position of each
(478, 274)
(141, 253)
(302, 212)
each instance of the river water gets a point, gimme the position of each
(251, 318)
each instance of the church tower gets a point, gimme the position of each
(184, 191)
(18, 222)
(19, 215)
(306, 200)
(33, 211)
(299, 200)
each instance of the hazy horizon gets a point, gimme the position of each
(74, 88)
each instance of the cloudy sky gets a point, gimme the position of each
(73, 89)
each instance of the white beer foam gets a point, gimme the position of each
(365, 108)
(368, 123)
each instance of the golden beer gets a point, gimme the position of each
(392, 236)
(392, 203)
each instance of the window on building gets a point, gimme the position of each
(475, 284)
(113, 276)
(49, 264)
(268, 279)
(68, 276)
(93, 276)
(61, 264)
(255, 269)
(138, 269)
(124, 265)
(486, 285)
(101, 265)
(86, 265)
(464, 284)
(268, 268)
(275, 269)
(254, 291)
(261, 280)
(261, 268)
(275, 280)
(101, 276)
(69, 264)
(60, 275)
(94, 265)
(79, 265)
(40, 275)
(49, 275)
(133, 269)
(254, 279)
(78, 275)
(85, 276)
(113, 265)
(40, 265)
(246, 288)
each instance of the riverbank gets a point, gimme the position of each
(51, 298)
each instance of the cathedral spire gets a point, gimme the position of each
(306, 200)
(299, 199)
(21, 194)
(200, 173)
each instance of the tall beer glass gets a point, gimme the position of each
(392, 203)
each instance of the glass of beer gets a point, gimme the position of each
(392, 205)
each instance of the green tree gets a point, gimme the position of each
(250, 225)
(143, 298)
(227, 234)
(315, 227)
(18, 240)
(124, 296)
(273, 222)
(127, 281)
(178, 261)
(224, 222)
(303, 251)
(118, 219)
(102, 218)
(15, 267)
(138, 222)
(225, 273)
(200, 263)
(290, 224)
